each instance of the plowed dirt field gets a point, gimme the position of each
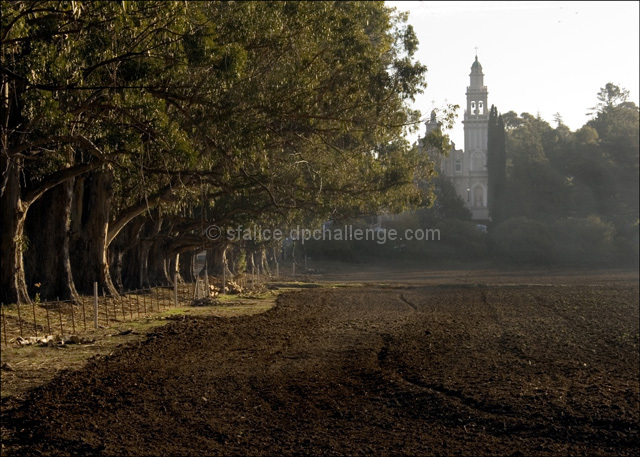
(461, 369)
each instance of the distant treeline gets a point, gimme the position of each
(569, 199)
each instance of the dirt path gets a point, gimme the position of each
(456, 370)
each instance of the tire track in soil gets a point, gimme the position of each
(501, 412)
(499, 418)
(431, 389)
(411, 305)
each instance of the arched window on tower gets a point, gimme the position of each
(458, 165)
(473, 108)
(480, 107)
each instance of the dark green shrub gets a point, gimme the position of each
(523, 241)
(584, 241)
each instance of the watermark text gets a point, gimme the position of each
(344, 233)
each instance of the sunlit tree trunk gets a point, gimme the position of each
(264, 262)
(171, 268)
(123, 252)
(218, 260)
(13, 286)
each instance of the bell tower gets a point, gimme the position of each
(467, 168)
(476, 116)
(476, 131)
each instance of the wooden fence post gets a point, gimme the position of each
(175, 290)
(144, 303)
(60, 317)
(19, 318)
(84, 314)
(4, 324)
(106, 307)
(224, 274)
(35, 325)
(46, 308)
(95, 304)
(73, 317)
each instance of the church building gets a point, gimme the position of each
(467, 169)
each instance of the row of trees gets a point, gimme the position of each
(129, 127)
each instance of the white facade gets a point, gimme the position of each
(467, 169)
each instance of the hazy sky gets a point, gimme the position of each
(537, 57)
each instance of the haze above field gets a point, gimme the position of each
(538, 57)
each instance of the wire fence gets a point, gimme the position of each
(30, 323)
(35, 322)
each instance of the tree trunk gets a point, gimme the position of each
(47, 260)
(116, 259)
(230, 259)
(172, 269)
(218, 258)
(119, 251)
(132, 277)
(89, 253)
(264, 262)
(252, 267)
(13, 288)
(143, 262)
(186, 266)
(157, 255)
(13, 209)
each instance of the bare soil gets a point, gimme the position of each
(517, 366)
(35, 365)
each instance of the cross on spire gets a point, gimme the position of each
(476, 48)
